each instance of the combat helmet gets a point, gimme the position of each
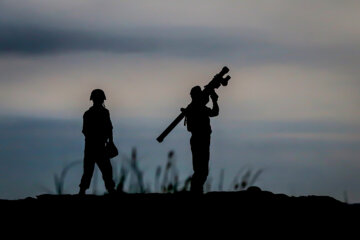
(97, 94)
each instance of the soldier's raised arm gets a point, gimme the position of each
(215, 109)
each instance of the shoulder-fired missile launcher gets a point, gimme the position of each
(217, 81)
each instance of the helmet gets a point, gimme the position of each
(97, 94)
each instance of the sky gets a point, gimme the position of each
(290, 109)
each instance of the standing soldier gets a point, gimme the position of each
(197, 117)
(97, 129)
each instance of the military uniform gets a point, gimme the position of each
(198, 123)
(97, 128)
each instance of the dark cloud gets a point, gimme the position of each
(180, 42)
(243, 31)
(40, 40)
(22, 38)
(36, 40)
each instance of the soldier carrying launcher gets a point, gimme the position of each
(197, 117)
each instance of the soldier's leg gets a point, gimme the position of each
(204, 156)
(106, 170)
(89, 164)
(196, 160)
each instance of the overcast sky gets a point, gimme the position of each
(291, 107)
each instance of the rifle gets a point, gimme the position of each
(215, 83)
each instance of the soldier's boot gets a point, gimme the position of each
(111, 191)
(82, 192)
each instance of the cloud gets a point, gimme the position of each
(294, 92)
(33, 40)
(297, 22)
(154, 87)
(189, 42)
(309, 32)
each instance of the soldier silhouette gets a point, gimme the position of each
(197, 118)
(97, 129)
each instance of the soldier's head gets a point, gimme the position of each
(97, 96)
(196, 94)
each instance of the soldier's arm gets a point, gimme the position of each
(215, 109)
(111, 136)
(110, 128)
(84, 128)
